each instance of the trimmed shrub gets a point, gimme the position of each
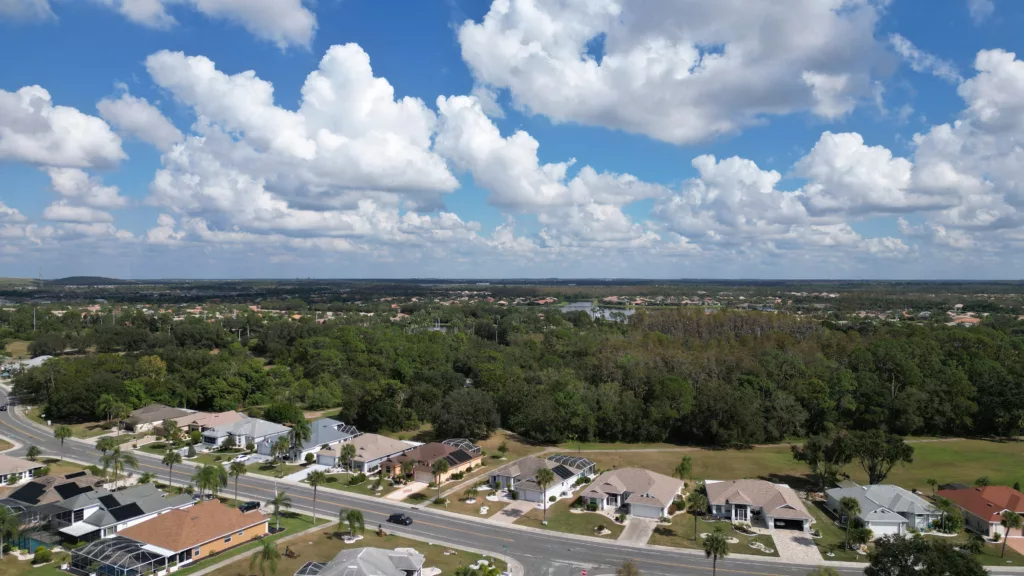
(357, 479)
(553, 499)
(250, 447)
(310, 458)
(191, 452)
(42, 555)
(513, 495)
(440, 501)
(592, 507)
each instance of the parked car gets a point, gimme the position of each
(249, 506)
(3, 408)
(240, 458)
(402, 519)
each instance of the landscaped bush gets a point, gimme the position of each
(218, 458)
(440, 501)
(310, 458)
(513, 495)
(191, 452)
(600, 528)
(42, 555)
(582, 480)
(357, 479)
(250, 447)
(553, 499)
(592, 507)
(621, 518)
(458, 476)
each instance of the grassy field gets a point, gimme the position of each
(18, 349)
(680, 535)
(81, 430)
(945, 460)
(324, 545)
(561, 520)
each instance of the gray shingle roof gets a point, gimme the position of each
(328, 431)
(373, 562)
(884, 502)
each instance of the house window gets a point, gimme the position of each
(227, 540)
(241, 532)
(195, 552)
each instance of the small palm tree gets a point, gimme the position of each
(266, 557)
(171, 457)
(354, 519)
(120, 411)
(348, 454)
(944, 506)
(33, 452)
(106, 444)
(316, 478)
(281, 500)
(933, 483)
(1011, 521)
(61, 432)
(146, 477)
(280, 448)
(118, 461)
(544, 479)
(105, 405)
(715, 547)
(9, 526)
(628, 569)
(210, 478)
(438, 468)
(696, 504)
(235, 470)
(684, 469)
(850, 508)
(301, 432)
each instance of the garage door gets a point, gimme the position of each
(781, 524)
(884, 529)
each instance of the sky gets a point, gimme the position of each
(826, 139)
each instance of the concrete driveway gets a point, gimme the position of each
(796, 546)
(514, 511)
(638, 530)
(406, 491)
(1016, 543)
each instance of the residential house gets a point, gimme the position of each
(885, 509)
(983, 508)
(521, 476)
(189, 534)
(257, 431)
(203, 421)
(36, 502)
(745, 500)
(324, 433)
(368, 562)
(418, 463)
(371, 451)
(149, 417)
(101, 514)
(636, 491)
(15, 470)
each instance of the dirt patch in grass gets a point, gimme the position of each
(18, 349)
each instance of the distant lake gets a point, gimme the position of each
(598, 312)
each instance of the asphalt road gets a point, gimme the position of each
(540, 553)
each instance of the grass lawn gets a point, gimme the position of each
(425, 433)
(680, 535)
(340, 482)
(60, 467)
(456, 504)
(13, 567)
(990, 555)
(81, 430)
(18, 349)
(831, 534)
(225, 458)
(323, 546)
(262, 468)
(157, 448)
(5, 445)
(561, 520)
(945, 460)
(517, 447)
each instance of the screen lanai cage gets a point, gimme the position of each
(118, 556)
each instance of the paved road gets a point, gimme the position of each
(541, 553)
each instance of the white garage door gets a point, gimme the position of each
(885, 529)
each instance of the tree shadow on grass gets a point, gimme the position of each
(797, 482)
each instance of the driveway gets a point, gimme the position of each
(1016, 543)
(301, 474)
(514, 511)
(406, 491)
(638, 530)
(796, 546)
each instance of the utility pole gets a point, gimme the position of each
(33, 319)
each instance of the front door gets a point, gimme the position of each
(739, 514)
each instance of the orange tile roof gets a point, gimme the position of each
(186, 528)
(987, 503)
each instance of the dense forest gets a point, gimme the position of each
(675, 375)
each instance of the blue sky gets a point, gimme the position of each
(601, 138)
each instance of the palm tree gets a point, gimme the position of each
(281, 500)
(944, 506)
(170, 432)
(210, 477)
(315, 479)
(348, 454)
(60, 432)
(118, 461)
(105, 404)
(684, 469)
(146, 477)
(266, 557)
(301, 432)
(438, 468)
(933, 483)
(850, 507)
(544, 479)
(33, 452)
(238, 469)
(9, 526)
(696, 504)
(280, 448)
(120, 411)
(628, 569)
(171, 457)
(106, 444)
(354, 519)
(715, 547)
(1011, 521)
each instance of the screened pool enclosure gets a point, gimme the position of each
(119, 556)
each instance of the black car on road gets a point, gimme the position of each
(400, 519)
(248, 506)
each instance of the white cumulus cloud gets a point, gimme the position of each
(137, 118)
